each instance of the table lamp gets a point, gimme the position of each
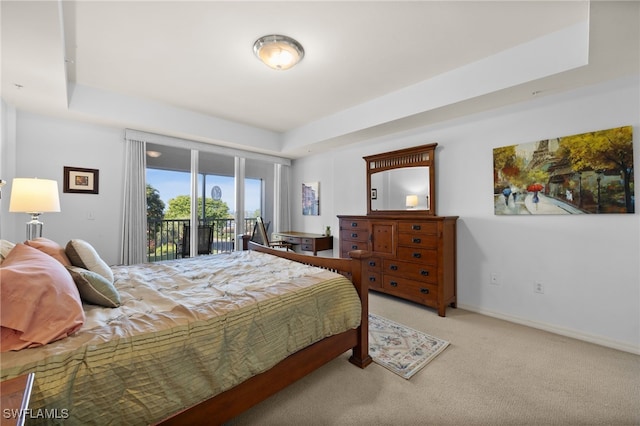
(412, 201)
(34, 196)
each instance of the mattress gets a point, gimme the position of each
(186, 330)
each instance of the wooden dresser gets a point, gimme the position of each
(414, 257)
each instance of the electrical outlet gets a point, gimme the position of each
(494, 278)
(538, 287)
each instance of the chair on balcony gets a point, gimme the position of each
(260, 236)
(205, 240)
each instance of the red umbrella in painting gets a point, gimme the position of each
(535, 187)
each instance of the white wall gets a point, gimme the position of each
(40, 146)
(587, 263)
(43, 146)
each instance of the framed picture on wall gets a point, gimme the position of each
(311, 199)
(80, 181)
(587, 173)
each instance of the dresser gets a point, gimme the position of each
(413, 257)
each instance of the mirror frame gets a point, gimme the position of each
(419, 156)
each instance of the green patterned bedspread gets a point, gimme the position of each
(186, 330)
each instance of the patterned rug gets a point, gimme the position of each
(401, 349)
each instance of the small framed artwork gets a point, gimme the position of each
(374, 194)
(80, 181)
(311, 199)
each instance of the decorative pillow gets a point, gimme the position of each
(52, 248)
(94, 288)
(39, 303)
(5, 248)
(82, 254)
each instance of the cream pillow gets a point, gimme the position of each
(5, 248)
(82, 254)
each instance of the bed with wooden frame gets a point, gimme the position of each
(221, 406)
(229, 404)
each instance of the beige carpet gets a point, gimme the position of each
(493, 373)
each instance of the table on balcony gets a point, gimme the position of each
(306, 242)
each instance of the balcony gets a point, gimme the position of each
(165, 237)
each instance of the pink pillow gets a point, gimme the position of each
(52, 248)
(39, 302)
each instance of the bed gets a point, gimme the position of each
(199, 340)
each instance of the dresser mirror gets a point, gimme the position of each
(402, 182)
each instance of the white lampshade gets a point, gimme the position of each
(412, 201)
(34, 195)
(278, 52)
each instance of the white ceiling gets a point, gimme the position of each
(187, 69)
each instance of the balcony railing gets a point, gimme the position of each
(165, 237)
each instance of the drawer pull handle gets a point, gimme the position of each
(417, 255)
(393, 267)
(424, 290)
(354, 247)
(417, 240)
(372, 263)
(372, 279)
(393, 284)
(416, 227)
(424, 272)
(354, 224)
(354, 235)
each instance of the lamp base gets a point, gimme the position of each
(34, 227)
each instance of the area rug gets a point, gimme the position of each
(401, 349)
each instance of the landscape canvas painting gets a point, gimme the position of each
(588, 173)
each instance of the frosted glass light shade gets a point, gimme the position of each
(34, 195)
(278, 52)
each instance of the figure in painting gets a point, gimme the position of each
(506, 192)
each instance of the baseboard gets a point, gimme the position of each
(598, 340)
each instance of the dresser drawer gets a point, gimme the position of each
(418, 227)
(292, 240)
(354, 234)
(428, 256)
(412, 289)
(415, 271)
(418, 240)
(306, 247)
(347, 246)
(374, 264)
(373, 279)
(354, 224)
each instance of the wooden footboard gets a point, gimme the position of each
(229, 404)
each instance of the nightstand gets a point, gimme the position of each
(14, 399)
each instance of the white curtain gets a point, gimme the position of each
(134, 223)
(282, 204)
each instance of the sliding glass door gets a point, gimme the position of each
(221, 210)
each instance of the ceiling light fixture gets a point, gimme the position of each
(154, 154)
(278, 52)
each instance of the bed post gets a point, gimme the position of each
(360, 355)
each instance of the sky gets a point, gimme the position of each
(170, 184)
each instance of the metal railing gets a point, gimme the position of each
(165, 238)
